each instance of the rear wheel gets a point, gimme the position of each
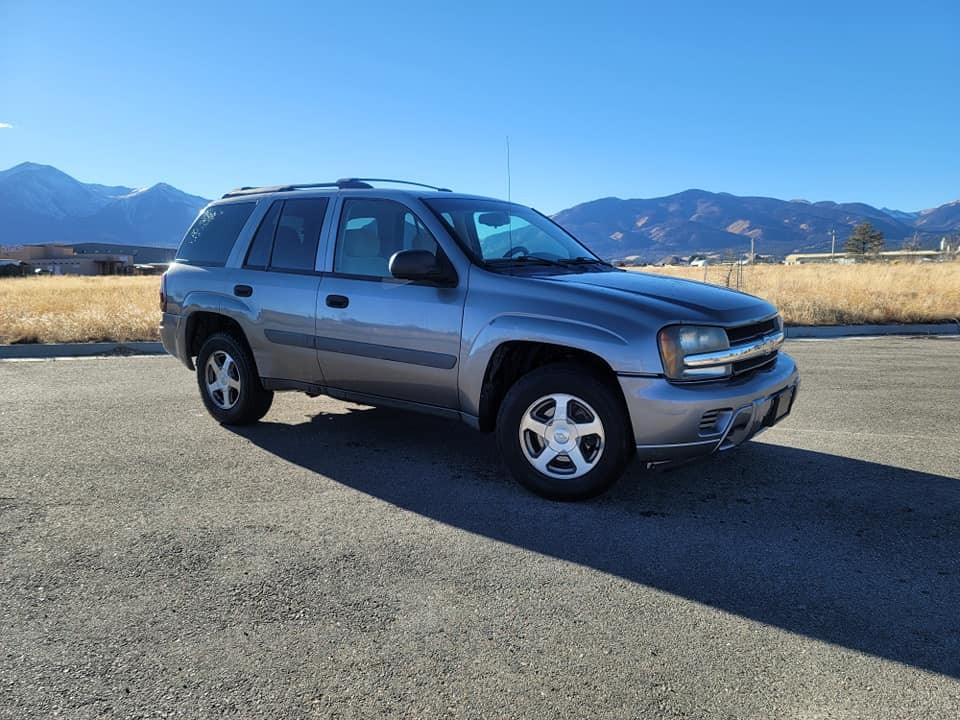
(229, 383)
(562, 432)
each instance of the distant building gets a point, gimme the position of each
(845, 258)
(64, 260)
(141, 255)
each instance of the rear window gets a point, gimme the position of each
(211, 237)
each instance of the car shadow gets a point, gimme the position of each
(850, 552)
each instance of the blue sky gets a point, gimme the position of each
(840, 100)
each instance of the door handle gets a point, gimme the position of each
(337, 301)
(242, 290)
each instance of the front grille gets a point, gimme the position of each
(748, 333)
(758, 363)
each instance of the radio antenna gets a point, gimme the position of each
(509, 199)
(508, 169)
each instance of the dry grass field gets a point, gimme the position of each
(88, 309)
(844, 294)
(51, 309)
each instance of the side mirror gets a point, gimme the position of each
(416, 265)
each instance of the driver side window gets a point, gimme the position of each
(371, 231)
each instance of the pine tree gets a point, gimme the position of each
(865, 239)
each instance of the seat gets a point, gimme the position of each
(423, 240)
(361, 253)
(287, 237)
(289, 250)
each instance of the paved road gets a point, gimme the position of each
(341, 561)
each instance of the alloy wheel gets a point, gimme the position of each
(562, 436)
(222, 379)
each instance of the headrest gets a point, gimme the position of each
(362, 242)
(287, 236)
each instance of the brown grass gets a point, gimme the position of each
(88, 309)
(79, 309)
(844, 294)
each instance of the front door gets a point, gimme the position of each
(378, 335)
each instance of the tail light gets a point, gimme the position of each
(163, 293)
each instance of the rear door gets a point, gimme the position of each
(382, 336)
(279, 282)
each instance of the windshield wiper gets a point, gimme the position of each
(522, 260)
(584, 261)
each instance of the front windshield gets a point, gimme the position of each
(500, 233)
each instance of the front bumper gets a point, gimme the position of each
(675, 422)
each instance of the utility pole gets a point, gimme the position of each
(752, 255)
(833, 243)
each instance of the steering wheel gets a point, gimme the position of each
(516, 250)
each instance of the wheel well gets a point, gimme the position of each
(512, 360)
(201, 325)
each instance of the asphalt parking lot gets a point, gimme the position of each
(343, 561)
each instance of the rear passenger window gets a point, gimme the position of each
(297, 235)
(258, 257)
(212, 235)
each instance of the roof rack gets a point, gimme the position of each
(342, 184)
(398, 182)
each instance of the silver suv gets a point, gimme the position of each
(474, 309)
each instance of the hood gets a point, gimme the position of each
(681, 300)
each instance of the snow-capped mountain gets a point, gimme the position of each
(41, 204)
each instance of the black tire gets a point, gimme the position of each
(243, 406)
(590, 392)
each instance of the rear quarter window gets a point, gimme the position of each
(212, 235)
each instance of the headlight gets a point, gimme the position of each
(679, 341)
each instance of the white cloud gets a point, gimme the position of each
(5, 126)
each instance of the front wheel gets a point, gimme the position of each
(563, 432)
(229, 383)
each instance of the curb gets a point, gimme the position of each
(842, 331)
(792, 332)
(55, 350)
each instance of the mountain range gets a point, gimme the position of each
(41, 204)
(696, 221)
